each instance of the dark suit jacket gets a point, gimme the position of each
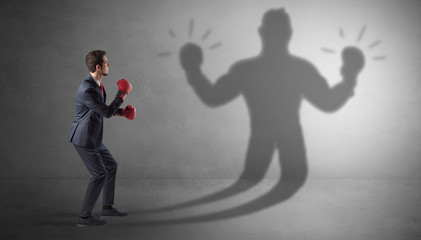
(91, 109)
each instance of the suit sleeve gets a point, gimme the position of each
(93, 100)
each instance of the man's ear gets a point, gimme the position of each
(98, 67)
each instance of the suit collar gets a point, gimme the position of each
(89, 77)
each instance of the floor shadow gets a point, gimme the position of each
(274, 84)
(281, 192)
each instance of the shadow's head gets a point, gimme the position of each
(276, 29)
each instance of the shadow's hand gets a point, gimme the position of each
(191, 57)
(353, 63)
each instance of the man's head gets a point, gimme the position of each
(97, 61)
(276, 28)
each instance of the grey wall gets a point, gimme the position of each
(43, 45)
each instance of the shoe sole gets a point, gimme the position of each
(111, 216)
(85, 225)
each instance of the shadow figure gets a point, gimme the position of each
(274, 84)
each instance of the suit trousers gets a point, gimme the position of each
(103, 168)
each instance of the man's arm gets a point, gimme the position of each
(93, 100)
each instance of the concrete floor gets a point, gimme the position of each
(321, 209)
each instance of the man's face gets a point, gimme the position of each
(105, 66)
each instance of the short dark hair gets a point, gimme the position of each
(94, 58)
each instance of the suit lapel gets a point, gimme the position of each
(98, 88)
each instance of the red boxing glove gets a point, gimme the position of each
(124, 88)
(128, 112)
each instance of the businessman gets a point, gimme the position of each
(86, 135)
